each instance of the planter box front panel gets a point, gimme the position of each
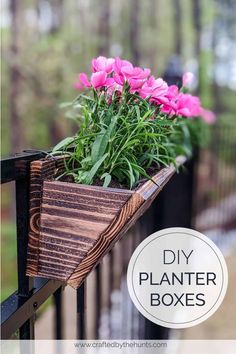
(72, 219)
(73, 226)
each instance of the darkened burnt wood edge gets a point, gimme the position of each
(73, 217)
(40, 170)
(131, 211)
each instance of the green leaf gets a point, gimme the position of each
(107, 179)
(64, 143)
(137, 111)
(163, 122)
(130, 172)
(94, 169)
(100, 144)
(65, 104)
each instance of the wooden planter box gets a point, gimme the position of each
(73, 226)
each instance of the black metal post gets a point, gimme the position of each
(172, 208)
(81, 312)
(98, 299)
(25, 284)
(57, 296)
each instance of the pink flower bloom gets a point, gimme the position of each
(135, 72)
(103, 64)
(125, 71)
(208, 116)
(188, 105)
(119, 79)
(110, 82)
(112, 86)
(135, 84)
(170, 106)
(156, 89)
(187, 79)
(98, 79)
(83, 82)
(119, 63)
(84, 79)
(172, 92)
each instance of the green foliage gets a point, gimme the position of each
(8, 259)
(123, 140)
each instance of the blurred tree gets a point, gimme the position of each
(57, 15)
(17, 138)
(134, 31)
(177, 27)
(104, 28)
(197, 25)
(56, 133)
(153, 10)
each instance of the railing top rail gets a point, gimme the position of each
(15, 167)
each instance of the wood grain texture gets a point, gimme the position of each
(39, 170)
(129, 214)
(73, 217)
(73, 226)
(105, 241)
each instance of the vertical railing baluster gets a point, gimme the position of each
(25, 284)
(98, 299)
(58, 319)
(133, 309)
(124, 257)
(110, 288)
(81, 333)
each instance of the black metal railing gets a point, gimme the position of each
(172, 208)
(18, 310)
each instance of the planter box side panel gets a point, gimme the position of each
(39, 170)
(73, 217)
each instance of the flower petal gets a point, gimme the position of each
(98, 79)
(84, 80)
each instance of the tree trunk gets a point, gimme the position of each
(197, 26)
(55, 130)
(177, 26)
(57, 15)
(104, 28)
(15, 120)
(134, 30)
(197, 23)
(153, 10)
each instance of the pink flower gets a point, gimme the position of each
(170, 106)
(83, 82)
(84, 79)
(98, 79)
(135, 72)
(119, 63)
(125, 71)
(103, 64)
(135, 84)
(208, 116)
(156, 89)
(172, 92)
(187, 79)
(188, 105)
